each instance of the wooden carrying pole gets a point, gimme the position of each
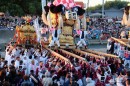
(124, 40)
(73, 55)
(59, 56)
(121, 42)
(90, 54)
(101, 53)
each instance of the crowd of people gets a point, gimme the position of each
(36, 66)
(114, 47)
(97, 26)
(103, 28)
(10, 22)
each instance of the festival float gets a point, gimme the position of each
(67, 15)
(25, 34)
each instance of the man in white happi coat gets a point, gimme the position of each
(115, 48)
(10, 58)
(55, 37)
(109, 45)
(32, 66)
(121, 51)
(16, 52)
(47, 80)
(7, 52)
(26, 64)
(90, 82)
(82, 34)
(40, 70)
(43, 59)
(17, 62)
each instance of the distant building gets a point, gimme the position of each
(112, 12)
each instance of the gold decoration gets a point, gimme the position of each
(27, 18)
(26, 32)
(67, 30)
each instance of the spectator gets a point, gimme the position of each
(26, 81)
(41, 68)
(47, 80)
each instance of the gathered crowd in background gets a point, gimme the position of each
(99, 28)
(8, 22)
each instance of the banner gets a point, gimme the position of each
(37, 29)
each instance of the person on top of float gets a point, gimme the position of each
(55, 36)
(82, 34)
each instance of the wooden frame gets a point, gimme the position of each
(73, 55)
(121, 42)
(101, 53)
(90, 54)
(59, 56)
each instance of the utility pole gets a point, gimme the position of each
(87, 23)
(46, 2)
(87, 7)
(102, 8)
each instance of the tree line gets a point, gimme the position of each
(23, 7)
(109, 4)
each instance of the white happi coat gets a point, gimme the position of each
(119, 81)
(40, 71)
(32, 67)
(17, 64)
(9, 59)
(115, 48)
(127, 59)
(82, 40)
(121, 51)
(55, 39)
